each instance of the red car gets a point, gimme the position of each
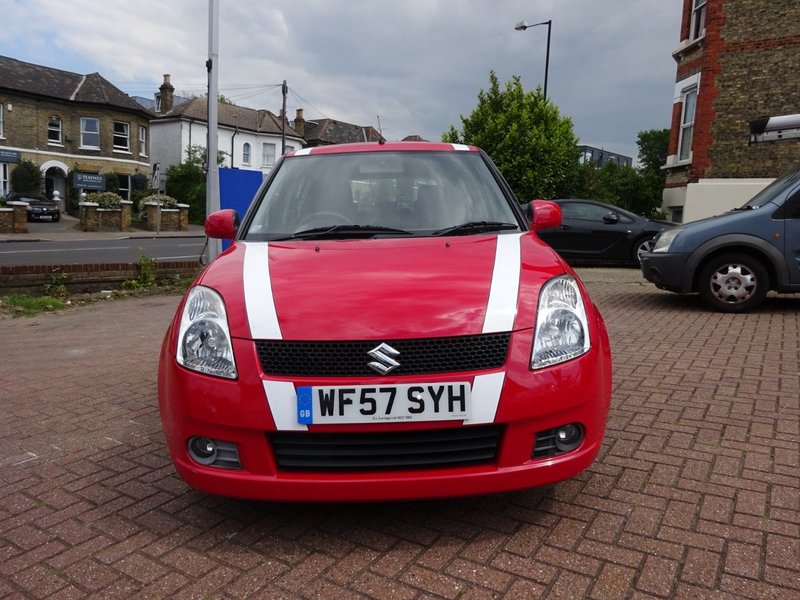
(385, 325)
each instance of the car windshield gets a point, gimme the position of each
(381, 194)
(773, 190)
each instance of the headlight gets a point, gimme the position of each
(562, 332)
(664, 241)
(204, 341)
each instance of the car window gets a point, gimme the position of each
(583, 211)
(773, 190)
(420, 192)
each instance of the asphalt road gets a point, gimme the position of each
(99, 251)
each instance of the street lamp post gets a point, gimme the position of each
(522, 26)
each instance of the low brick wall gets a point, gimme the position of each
(34, 279)
(14, 218)
(169, 219)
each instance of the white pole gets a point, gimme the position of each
(212, 178)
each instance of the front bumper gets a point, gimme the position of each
(578, 391)
(667, 271)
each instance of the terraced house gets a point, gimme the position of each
(737, 66)
(72, 126)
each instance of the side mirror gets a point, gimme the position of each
(611, 218)
(222, 224)
(543, 214)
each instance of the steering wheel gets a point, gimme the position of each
(322, 219)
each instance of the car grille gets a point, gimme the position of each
(350, 359)
(454, 447)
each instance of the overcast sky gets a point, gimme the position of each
(416, 64)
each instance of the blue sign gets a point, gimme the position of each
(9, 156)
(89, 181)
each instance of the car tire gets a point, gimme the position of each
(56, 218)
(641, 246)
(733, 283)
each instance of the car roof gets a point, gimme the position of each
(383, 147)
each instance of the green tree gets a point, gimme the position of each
(26, 178)
(187, 181)
(529, 141)
(653, 147)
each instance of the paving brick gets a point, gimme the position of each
(701, 568)
(657, 576)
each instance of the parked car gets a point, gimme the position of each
(39, 207)
(593, 230)
(385, 325)
(732, 260)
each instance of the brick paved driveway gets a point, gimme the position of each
(695, 495)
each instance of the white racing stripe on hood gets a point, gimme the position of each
(502, 306)
(258, 300)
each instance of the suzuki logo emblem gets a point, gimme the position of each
(384, 359)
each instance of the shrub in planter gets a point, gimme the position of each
(105, 199)
(162, 199)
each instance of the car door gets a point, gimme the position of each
(791, 235)
(589, 230)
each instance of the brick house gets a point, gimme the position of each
(737, 62)
(70, 125)
(251, 139)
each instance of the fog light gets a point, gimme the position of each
(214, 453)
(203, 450)
(569, 437)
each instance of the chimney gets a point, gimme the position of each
(166, 94)
(299, 122)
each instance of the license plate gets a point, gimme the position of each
(386, 403)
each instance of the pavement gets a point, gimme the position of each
(68, 229)
(696, 492)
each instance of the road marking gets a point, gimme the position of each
(62, 250)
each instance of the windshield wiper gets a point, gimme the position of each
(476, 227)
(344, 231)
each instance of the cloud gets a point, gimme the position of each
(417, 63)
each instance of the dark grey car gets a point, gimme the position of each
(597, 231)
(39, 207)
(733, 260)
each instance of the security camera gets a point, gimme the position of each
(772, 129)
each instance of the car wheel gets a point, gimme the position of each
(56, 218)
(640, 247)
(733, 283)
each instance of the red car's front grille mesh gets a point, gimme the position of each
(453, 447)
(350, 359)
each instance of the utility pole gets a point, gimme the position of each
(284, 91)
(212, 176)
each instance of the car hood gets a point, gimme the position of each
(382, 288)
(39, 203)
(735, 221)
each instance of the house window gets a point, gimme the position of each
(246, 154)
(54, 130)
(689, 98)
(698, 19)
(124, 186)
(3, 180)
(268, 151)
(142, 141)
(122, 136)
(90, 133)
(2, 108)
(676, 215)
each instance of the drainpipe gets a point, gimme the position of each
(235, 132)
